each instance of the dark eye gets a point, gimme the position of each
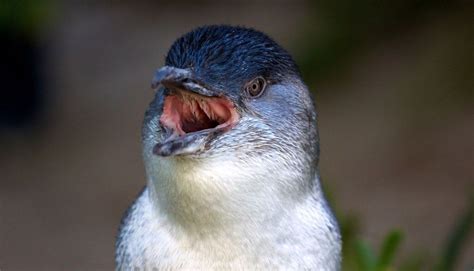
(255, 87)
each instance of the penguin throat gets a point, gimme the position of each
(186, 112)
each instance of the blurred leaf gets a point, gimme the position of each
(457, 239)
(366, 259)
(388, 250)
(350, 228)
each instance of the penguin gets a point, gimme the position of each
(231, 153)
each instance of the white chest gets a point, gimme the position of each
(149, 242)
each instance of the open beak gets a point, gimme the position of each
(192, 114)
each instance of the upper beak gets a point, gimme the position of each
(171, 77)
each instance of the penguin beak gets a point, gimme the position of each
(171, 77)
(192, 113)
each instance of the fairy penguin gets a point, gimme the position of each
(231, 151)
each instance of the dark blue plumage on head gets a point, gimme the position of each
(226, 57)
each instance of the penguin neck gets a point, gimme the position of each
(209, 196)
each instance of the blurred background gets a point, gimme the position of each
(393, 82)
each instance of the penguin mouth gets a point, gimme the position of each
(186, 112)
(191, 120)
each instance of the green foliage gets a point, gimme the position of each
(388, 250)
(359, 255)
(457, 240)
(24, 16)
(366, 259)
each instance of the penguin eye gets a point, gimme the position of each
(255, 87)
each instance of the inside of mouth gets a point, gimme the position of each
(188, 112)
